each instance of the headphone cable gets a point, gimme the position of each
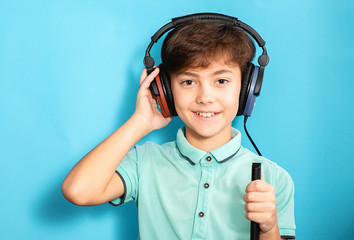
(254, 145)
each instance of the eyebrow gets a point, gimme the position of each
(221, 72)
(189, 74)
(214, 74)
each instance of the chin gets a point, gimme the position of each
(206, 132)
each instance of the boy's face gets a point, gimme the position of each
(207, 99)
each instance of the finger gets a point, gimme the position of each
(260, 207)
(147, 80)
(258, 217)
(143, 75)
(259, 186)
(258, 197)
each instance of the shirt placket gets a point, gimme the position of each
(202, 209)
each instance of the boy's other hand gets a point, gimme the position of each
(261, 206)
(146, 107)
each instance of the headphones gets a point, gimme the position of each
(251, 81)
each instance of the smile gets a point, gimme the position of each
(205, 115)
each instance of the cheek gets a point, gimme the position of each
(182, 99)
(179, 98)
(231, 98)
(236, 95)
(232, 103)
(175, 93)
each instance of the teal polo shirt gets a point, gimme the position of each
(182, 192)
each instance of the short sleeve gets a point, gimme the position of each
(127, 170)
(284, 193)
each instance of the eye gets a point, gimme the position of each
(222, 81)
(188, 82)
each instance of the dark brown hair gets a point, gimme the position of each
(197, 43)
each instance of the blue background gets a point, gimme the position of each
(69, 73)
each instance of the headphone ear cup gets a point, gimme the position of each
(166, 84)
(160, 96)
(245, 87)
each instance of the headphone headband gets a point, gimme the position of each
(213, 17)
(207, 16)
(220, 18)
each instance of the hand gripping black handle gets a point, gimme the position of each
(256, 175)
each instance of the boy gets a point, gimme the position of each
(197, 187)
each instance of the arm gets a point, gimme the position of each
(93, 181)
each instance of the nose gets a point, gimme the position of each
(205, 95)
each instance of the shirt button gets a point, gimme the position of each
(201, 214)
(206, 185)
(208, 158)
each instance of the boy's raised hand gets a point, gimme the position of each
(146, 107)
(261, 207)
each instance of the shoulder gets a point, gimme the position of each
(276, 174)
(149, 150)
(152, 147)
(251, 156)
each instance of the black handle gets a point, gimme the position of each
(256, 175)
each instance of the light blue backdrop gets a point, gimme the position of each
(69, 74)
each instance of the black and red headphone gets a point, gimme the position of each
(251, 81)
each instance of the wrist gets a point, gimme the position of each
(140, 124)
(272, 234)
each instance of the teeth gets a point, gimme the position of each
(205, 114)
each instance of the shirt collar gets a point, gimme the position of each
(221, 154)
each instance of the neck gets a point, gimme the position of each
(208, 143)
